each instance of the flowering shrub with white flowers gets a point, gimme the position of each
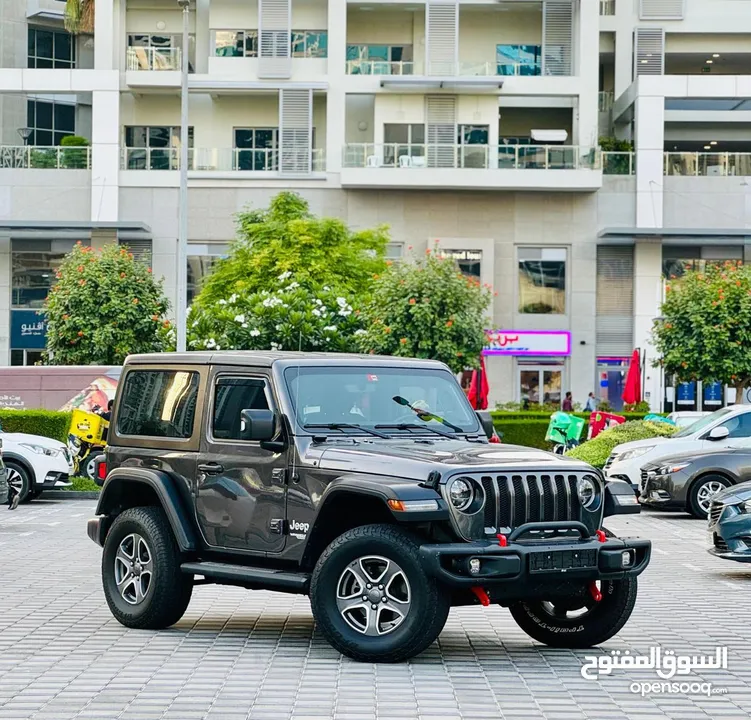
(289, 317)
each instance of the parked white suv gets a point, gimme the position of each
(728, 427)
(35, 463)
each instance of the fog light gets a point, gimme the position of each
(474, 566)
(626, 558)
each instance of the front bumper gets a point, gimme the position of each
(48, 471)
(665, 491)
(628, 470)
(528, 568)
(730, 534)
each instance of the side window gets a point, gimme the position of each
(739, 426)
(158, 403)
(231, 397)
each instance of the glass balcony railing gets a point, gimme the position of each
(380, 67)
(708, 164)
(154, 58)
(618, 163)
(44, 158)
(605, 101)
(506, 157)
(222, 159)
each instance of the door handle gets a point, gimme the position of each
(211, 468)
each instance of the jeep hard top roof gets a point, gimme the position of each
(262, 358)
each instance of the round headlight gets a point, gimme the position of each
(587, 491)
(460, 494)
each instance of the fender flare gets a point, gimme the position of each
(166, 491)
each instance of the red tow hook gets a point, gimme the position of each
(594, 591)
(601, 536)
(482, 596)
(502, 540)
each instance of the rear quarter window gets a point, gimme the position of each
(158, 403)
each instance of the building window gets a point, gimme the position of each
(50, 122)
(403, 140)
(26, 357)
(201, 260)
(542, 281)
(33, 275)
(256, 149)
(394, 251)
(473, 145)
(518, 59)
(379, 60)
(50, 49)
(677, 261)
(153, 147)
(236, 43)
(469, 262)
(310, 44)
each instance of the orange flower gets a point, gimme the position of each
(459, 354)
(412, 301)
(149, 270)
(375, 277)
(389, 263)
(155, 317)
(81, 282)
(667, 288)
(427, 252)
(80, 333)
(449, 323)
(122, 276)
(403, 341)
(135, 301)
(738, 283)
(80, 268)
(387, 329)
(166, 324)
(66, 317)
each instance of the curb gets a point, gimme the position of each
(69, 495)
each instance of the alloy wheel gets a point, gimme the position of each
(14, 480)
(133, 569)
(706, 492)
(373, 595)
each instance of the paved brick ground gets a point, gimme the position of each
(238, 654)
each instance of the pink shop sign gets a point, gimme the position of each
(528, 342)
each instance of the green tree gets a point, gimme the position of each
(427, 309)
(104, 306)
(287, 317)
(286, 237)
(704, 331)
(79, 16)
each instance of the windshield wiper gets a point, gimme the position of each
(343, 426)
(417, 426)
(425, 415)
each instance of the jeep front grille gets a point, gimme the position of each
(512, 500)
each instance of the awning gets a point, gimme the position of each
(675, 236)
(53, 229)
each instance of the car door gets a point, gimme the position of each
(241, 491)
(739, 430)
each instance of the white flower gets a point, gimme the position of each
(318, 302)
(341, 302)
(285, 275)
(210, 343)
(326, 288)
(244, 325)
(272, 302)
(254, 333)
(195, 323)
(278, 327)
(218, 348)
(264, 292)
(233, 298)
(361, 332)
(293, 285)
(222, 302)
(330, 328)
(239, 318)
(316, 312)
(275, 346)
(344, 312)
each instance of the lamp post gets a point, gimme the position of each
(25, 133)
(182, 206)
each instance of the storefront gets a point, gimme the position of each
(28, 337)
(539, 358)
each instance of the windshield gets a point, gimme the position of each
(380, 397)
(701, 423)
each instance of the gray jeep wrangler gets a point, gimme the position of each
(367, 483)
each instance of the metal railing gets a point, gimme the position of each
(514, 157)
(605, 101)
(707, 164)
(618, 163)
(607, 7)
(154, 58)
(380, 67)
(44, 158)
(222, 159)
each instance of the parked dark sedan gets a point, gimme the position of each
(730, 523)
(689, 482)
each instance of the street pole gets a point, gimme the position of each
(182, 233)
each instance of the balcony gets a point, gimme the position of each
(471, 166)
(39, 157)
(151, 58)
(223, 160)
(708, 164)
(618, 163)
(156, 60)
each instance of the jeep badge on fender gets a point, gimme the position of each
(368, 484)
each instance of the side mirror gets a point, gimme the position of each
(486, 421)
(718, 433)
(258, 425)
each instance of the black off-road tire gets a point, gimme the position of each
(429, 608)
(169, 592)
(594, 628)
(692, 502)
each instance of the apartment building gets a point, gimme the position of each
(474, 125)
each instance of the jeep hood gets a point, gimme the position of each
(417, 459)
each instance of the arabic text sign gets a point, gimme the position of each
(28, 330)
(666, 664)
(528, 342)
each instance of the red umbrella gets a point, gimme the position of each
(478, 388)
(632, 390)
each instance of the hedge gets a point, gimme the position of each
(46, 423)
(499, 415)
(530, 432)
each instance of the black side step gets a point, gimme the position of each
(253, 577)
